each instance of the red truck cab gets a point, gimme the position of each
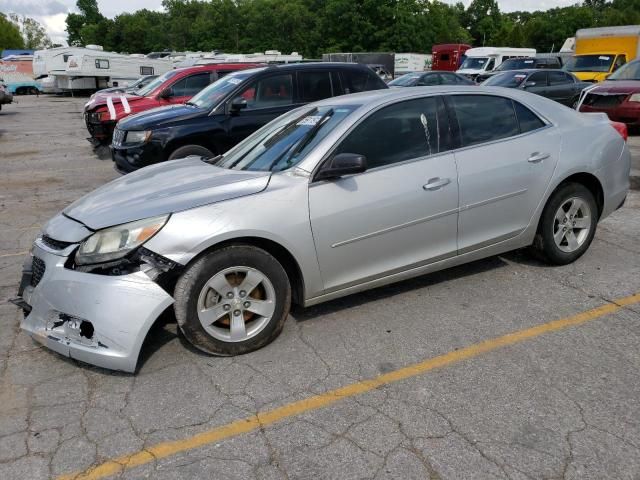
(103, 111)
(448, 56)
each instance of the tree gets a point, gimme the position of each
(9, 34)
(33, 33)
(89, 15)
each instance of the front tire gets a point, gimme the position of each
(233, 301)
(568, 225)
(188, 150)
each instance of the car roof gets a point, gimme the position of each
(215, 66)
(286, 67)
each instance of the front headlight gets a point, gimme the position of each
(135, 137)
(635, 97)
(115, 242)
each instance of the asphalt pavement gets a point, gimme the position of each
(504, 368)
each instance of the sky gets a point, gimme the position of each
(52, 13)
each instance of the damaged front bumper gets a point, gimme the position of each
(98, 319)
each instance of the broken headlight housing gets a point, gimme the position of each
(114, 243)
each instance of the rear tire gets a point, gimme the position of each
(233, 301)
(188, 150)
(567, 226)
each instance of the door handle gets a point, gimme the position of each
(436, 183)
(538, 157)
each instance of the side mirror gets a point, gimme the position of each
(529, 84)
(166, 93)
(238, 104)
(342, 164)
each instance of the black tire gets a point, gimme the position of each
(187, 150)
(544, 245)
(194, 279)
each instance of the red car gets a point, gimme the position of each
(618, 96)
(102, 112)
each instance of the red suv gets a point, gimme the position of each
(103, 111)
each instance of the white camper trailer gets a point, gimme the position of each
(270, 56)
(93, 70)
(52, 63)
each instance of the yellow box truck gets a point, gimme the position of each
(601, 51)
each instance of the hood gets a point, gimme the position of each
(160, 116)
(161, 189)
(100, 99)
(618, 87)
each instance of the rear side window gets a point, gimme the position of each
(354, 81)
(484, 118)
(315, 85)
(559, 78)
(527, 120)
(403, 131)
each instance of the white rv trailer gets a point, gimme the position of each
(486, 59)
(94, 70)
(52, 63)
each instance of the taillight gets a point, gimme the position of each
(622, 129)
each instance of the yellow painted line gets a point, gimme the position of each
(13, 254)
(262, 419)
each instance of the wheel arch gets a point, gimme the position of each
(588, 180)
(277, 250)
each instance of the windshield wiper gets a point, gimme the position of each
(190, 104)
(304, 141)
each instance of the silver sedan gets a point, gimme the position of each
(337, 197)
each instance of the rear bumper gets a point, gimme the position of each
(98, 319)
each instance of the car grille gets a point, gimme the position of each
(603, 101)
(118, 137)
(54, 244)
(37, 271)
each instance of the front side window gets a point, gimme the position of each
(406, 80)
(315, 86)
(274, 91)
(429, 80)
(484, 118)
(620, 61)
(195, 83)
(403, 131)
(102, 63)
(355, 81)
(491, 64)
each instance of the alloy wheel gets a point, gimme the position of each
(572, 223)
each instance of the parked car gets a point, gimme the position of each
(526, 63)
(330, 199)
(230, 110)
(133, 88)
(5, 96)
(618, 96)
(557, 85)
(102, 112)
(422, 79)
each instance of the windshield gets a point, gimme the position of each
(474, 63)
(208, 97)
(517, 64)
(406, 80)
(631, 71)
(590, 63)
(284, 142)
(144, 91)
(507, 79)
